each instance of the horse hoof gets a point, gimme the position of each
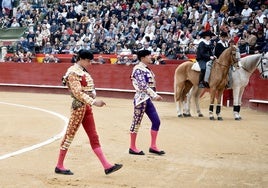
(180, 115)
(187, 115)
(220, 118)
(200, 115)
(237, 119)
(211, 118)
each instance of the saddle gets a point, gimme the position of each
(196, 67)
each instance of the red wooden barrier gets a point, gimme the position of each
(114, 77)
(105, 75)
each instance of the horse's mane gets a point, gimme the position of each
(249, 62)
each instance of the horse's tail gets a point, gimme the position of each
(180, 79)
(176, 88)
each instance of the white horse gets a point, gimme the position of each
(240, 79)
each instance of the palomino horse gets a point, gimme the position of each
(185, 78)
(241, 77)
(240, 80)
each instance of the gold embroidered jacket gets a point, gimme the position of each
(81, 86)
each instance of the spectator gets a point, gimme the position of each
(251, 39)
(243, 47)
(192, 48)
(23, 44)
(134, 59)
(100, 60)
(129, 23)
(260, 16)
(172, 53)
(119, 60)
(183, 43)
(31, 46)
(260, 42)
(71, 16)
(164, 49)
(45, 33)
(94, 49)
(197, 40)
(164, 26)
(47, 48)
(19, 56)
(158, 60)
(59, 48)
(84, 19)
(15, 23)
(155, 50)
(49, 58)
(61, 20)
(246, 12)
(7, 7)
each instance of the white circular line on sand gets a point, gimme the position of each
(50, 140)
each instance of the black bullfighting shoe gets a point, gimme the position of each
(130, 151)
(64, 172)
(113, 169)
(156, 152)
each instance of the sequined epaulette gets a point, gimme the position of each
(75, 69)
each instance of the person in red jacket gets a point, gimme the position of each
(82, 90)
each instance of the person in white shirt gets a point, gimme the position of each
(197, 40)
(246, 12)
(260, 16)
(150, 28)
(15, 23)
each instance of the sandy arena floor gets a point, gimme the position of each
(199, 152)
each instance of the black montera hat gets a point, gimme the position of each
(143, 53)
(85, 54)
(207, 33)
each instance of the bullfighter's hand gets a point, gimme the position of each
(158, 98)
(99, 103)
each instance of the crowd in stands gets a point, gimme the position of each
(168, 28)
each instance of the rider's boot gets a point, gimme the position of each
(201, 79)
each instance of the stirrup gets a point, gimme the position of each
(201, 85)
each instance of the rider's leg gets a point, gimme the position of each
(208, 69)
(201, 78)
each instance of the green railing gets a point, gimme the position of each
(12, 33)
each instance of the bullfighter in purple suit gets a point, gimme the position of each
(143, 80)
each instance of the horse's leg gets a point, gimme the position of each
(236, 97)
(179, 108)
(186, 107)
(218, 108)
(240, 101)
(187, 104)
(197, 92)
(212, 97)
(178, 90)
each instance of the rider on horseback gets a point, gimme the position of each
(203, 55)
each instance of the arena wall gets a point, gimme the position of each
(113, 80)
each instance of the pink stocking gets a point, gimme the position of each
(153, 140)
(133, 137)
(61, 158)
(102, 158)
